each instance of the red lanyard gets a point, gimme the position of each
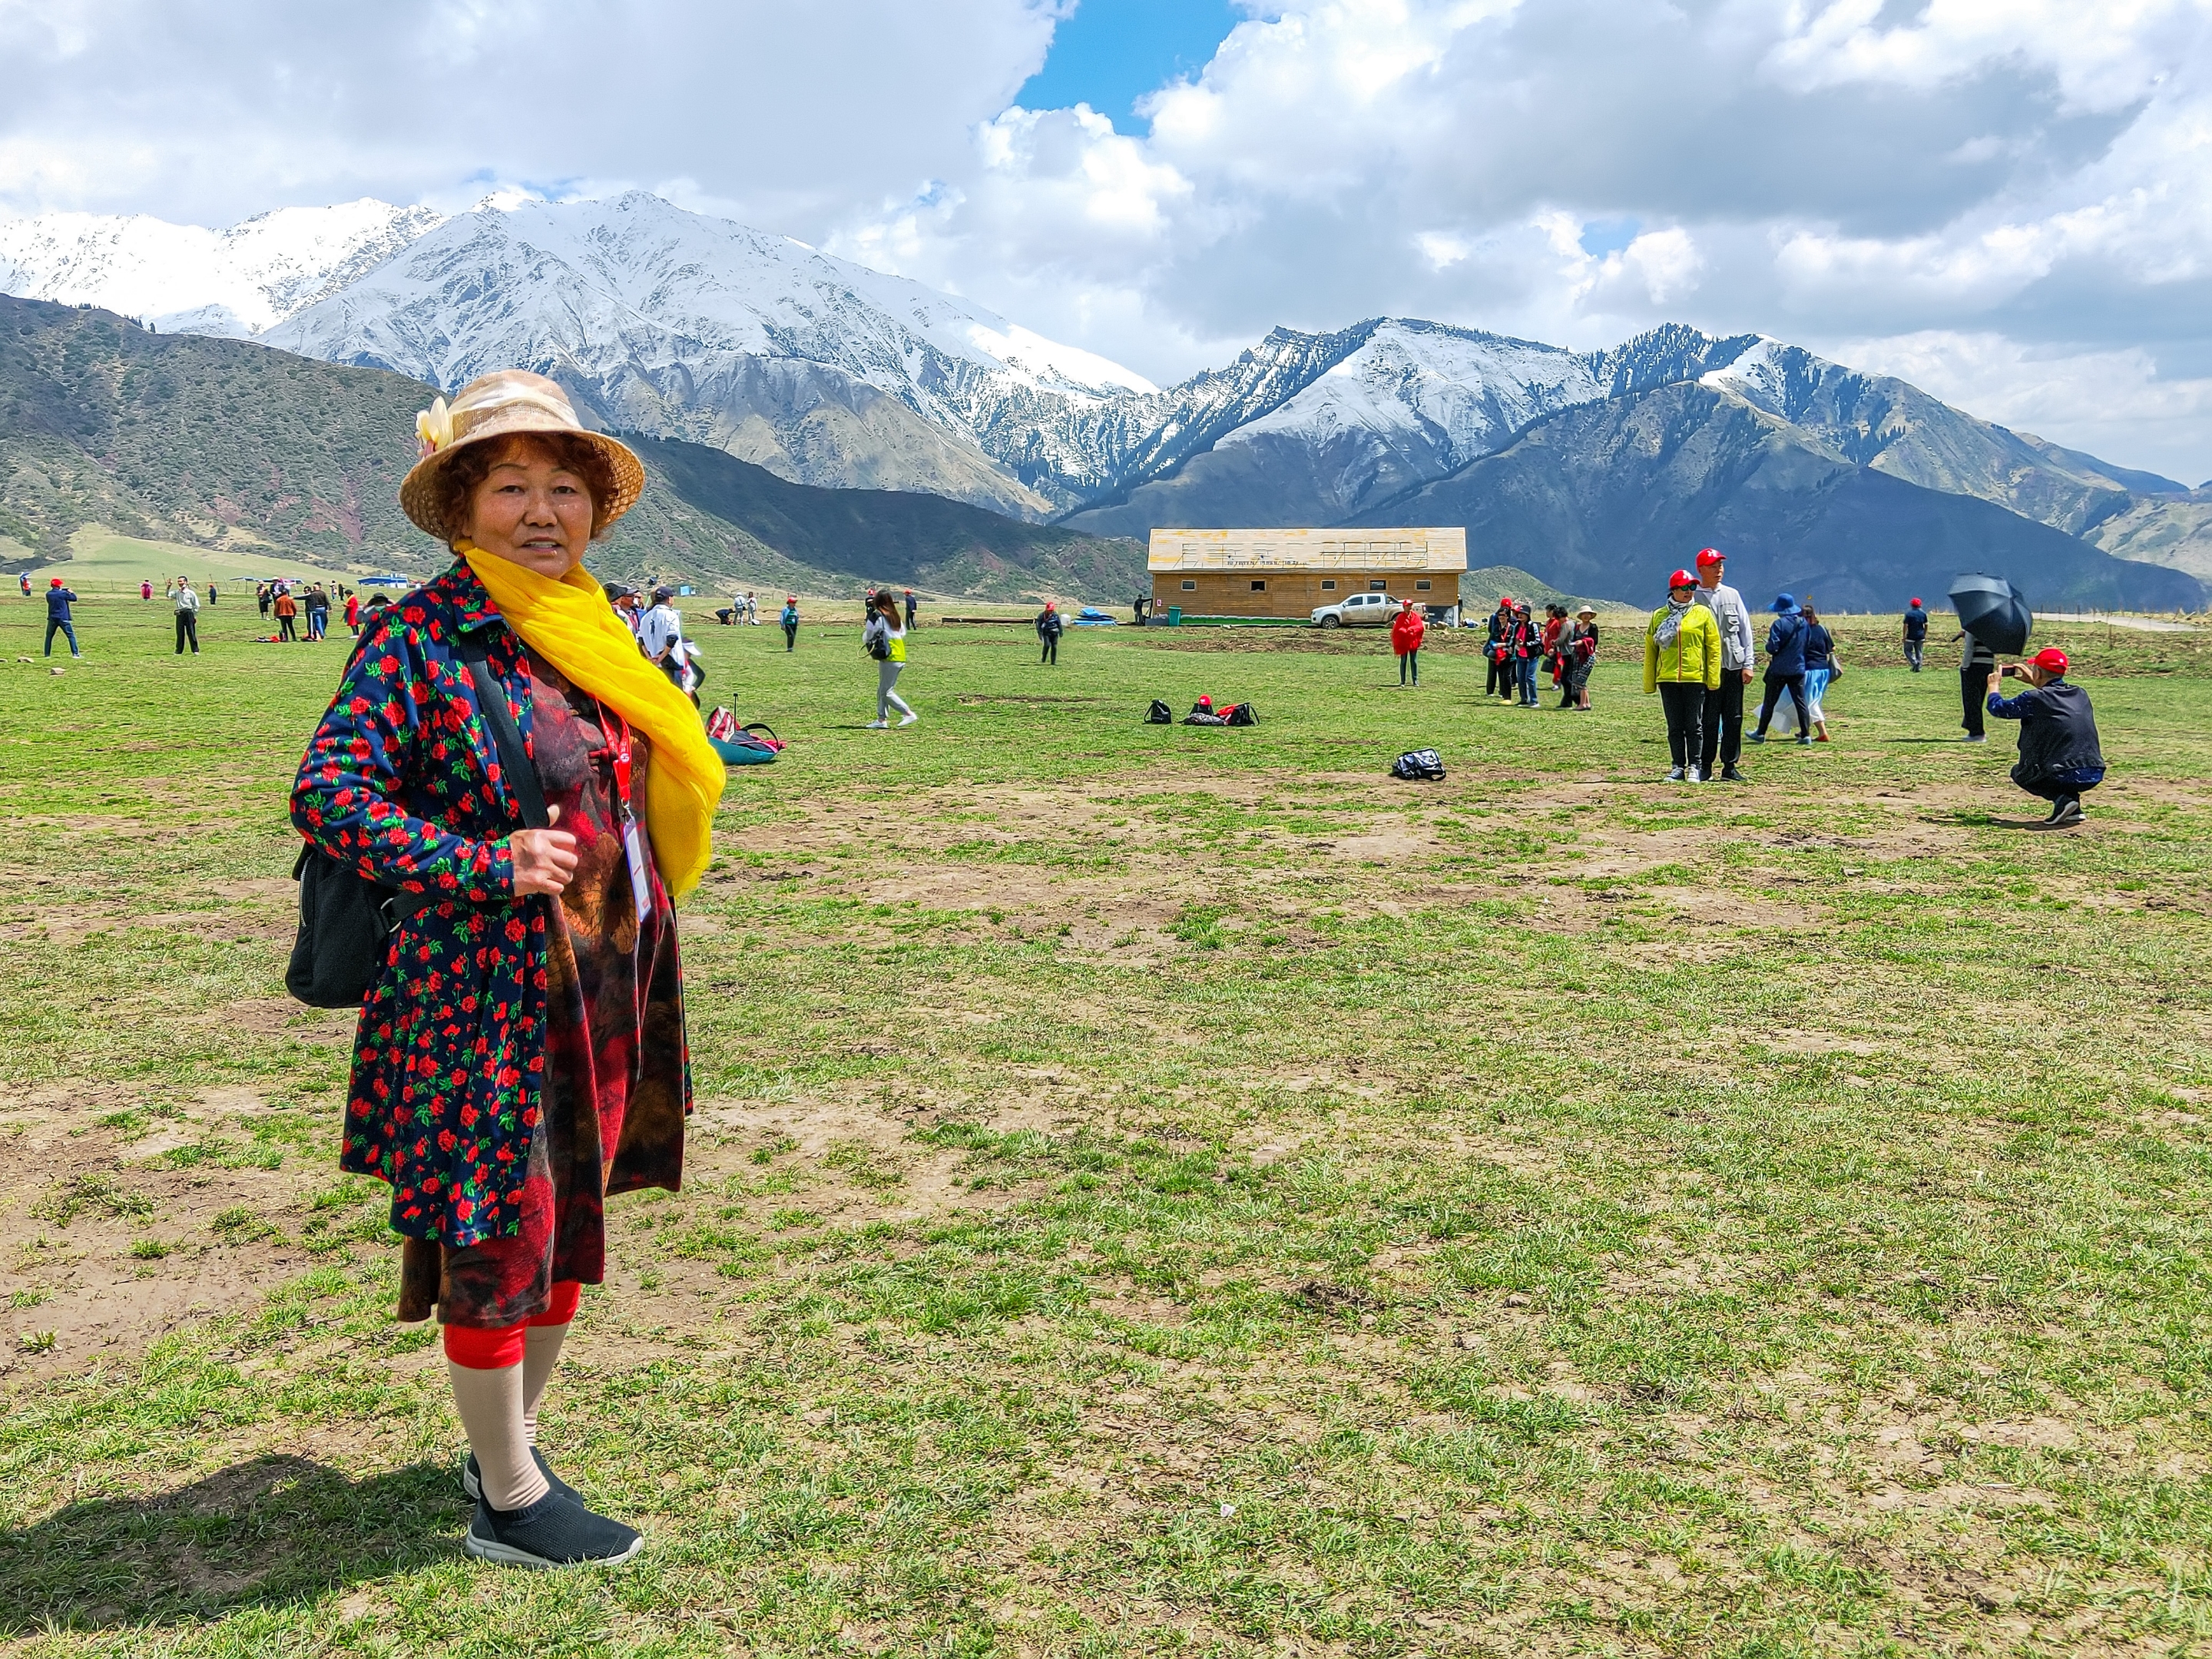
(619, 746)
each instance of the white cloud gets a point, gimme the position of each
(2033, 170)
(2033, 173)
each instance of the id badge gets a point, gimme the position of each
(640, 877)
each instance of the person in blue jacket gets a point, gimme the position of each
(59, 600)
(2059, 756)
(1785, 668)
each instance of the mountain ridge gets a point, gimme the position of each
(239, 447)
(694, 329)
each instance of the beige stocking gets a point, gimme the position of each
(490, 1404)
(541, 1353)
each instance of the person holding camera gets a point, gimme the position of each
(2059, 755)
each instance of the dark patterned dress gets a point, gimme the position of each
(616, 1082)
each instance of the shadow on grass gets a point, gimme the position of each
(271, 1530)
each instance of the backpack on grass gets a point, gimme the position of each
(1240, 713)
(1159, 714)
(1418, 766)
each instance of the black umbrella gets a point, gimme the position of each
(1994, 611)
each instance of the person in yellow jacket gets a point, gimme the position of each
(1681, 663)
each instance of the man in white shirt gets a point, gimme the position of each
(1724, 708)
(660, 635)
(188, 615)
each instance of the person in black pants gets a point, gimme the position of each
(1916, 634)
(188, 616)
(1978, 662)
(1785, 668)
(790, 621)
(1049, 626)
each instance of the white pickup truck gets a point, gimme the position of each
(1355, 610)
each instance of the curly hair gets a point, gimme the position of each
(471, 464)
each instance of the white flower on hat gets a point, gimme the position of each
(433, 429)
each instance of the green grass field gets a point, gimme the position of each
(1159, 1190)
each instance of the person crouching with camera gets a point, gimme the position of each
(2059, 757)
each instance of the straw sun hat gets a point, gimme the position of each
(498, 405)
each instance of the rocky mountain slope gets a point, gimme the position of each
(1605, 498)
(691, 328)
(224, 443)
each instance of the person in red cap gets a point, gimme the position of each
(2058, 753)
(1916, 634)
(59, 600)
(1681, 663)
(1723, 729)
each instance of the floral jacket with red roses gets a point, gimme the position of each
(402, 781)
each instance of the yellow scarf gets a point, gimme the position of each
(570, 624)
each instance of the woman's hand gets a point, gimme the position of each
(544, 859)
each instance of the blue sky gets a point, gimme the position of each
(1112, 53)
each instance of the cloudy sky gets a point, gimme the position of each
(2009, 202)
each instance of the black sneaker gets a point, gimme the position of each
(1729, 774)
(557, 1531)
(472, 1476)
(1756, 737)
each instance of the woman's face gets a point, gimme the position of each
(1680, 595)
(531, 511)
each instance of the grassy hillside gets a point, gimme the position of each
(208, 442)
(228, 447)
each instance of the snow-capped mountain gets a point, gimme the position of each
(677, 325)
(182, 278)
(681, 326)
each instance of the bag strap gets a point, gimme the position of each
(513, 760)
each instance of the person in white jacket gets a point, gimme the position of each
(1724, 737)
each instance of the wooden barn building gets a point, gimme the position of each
(1286, 573)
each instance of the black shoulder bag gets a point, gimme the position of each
(347, 921)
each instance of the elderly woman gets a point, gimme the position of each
(521, 1052)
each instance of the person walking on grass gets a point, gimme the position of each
(1681, 663)
(790, 621)
(1785, 668)
(288, 612)
(210, 592)
(1820, 668)
(1578, 654)
(884, 637)
(1050, 624)
(1408, 628)
(264, 596)
(2059, 756)
(1976, 663)
(23, 581)
(520, 1054)
(1724, 709)
(59, 600)
(912, 608)
(188, 616)
(353, 615)
(1916, 634)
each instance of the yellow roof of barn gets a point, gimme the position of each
(1443, 548)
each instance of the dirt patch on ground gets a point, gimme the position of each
(121, 1224)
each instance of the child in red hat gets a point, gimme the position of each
(2058, 754)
